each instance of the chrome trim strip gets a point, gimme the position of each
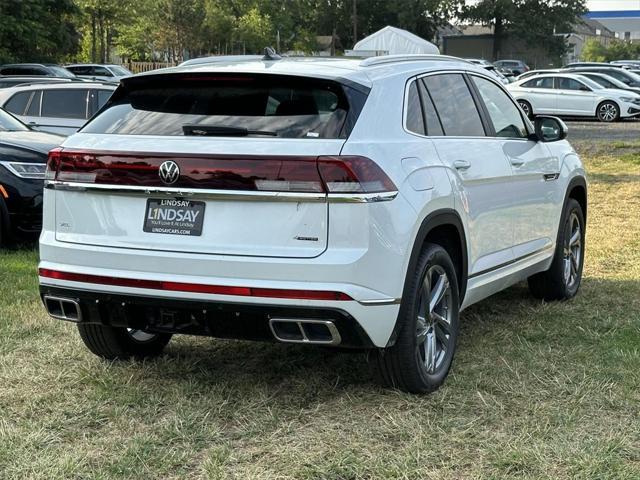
(384, 301)
(221, 194)
(361, 197)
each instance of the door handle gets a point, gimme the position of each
(462, 165)
(517, 162)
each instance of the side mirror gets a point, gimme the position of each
(550, 129)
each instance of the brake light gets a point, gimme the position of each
(53, 161)
(353, 174)
(299, 174)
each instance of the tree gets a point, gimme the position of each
(594, 51)
(37, 30)
(534, 21)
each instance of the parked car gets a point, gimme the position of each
(496, 73)
(37, 69)
(56, 108)
(574, 95)
(107, 73)
(518, 67)
(532, 73)
(23, 157)
(593, 64)
(6, 82)
(629, 78)
(609, 82)
(343, 202)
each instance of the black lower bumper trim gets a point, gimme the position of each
(194, 317)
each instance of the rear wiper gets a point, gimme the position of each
(222, 131)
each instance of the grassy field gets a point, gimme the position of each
(536, 391)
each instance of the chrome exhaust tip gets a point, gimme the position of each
(294, 330)
(63, 308)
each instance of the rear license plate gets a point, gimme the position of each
(174, 216)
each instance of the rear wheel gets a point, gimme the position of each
(526, 108)
(563, 278)
(421, 357)
(122, 343)
(608, 112)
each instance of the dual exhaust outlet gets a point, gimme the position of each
(287, 330)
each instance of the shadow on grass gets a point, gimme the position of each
(305, 375)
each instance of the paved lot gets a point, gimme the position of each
(628, 130)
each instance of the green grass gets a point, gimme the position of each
(536, 391)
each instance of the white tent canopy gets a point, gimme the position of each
(394, 41)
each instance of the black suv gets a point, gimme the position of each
(23, 156)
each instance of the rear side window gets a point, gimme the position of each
(34, 106)
(455, 105)
(263, 105)
(415, 122)
(18, 103)
(64, 103)
(545, 82)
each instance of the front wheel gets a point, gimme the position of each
(428, 325)
(608, 112)
(122, 343)
(526, 108)
(562, 280)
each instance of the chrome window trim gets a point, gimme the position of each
(463, 72)
(211, 194)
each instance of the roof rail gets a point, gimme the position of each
(383, 59)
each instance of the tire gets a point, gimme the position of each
(526, 108)
(407, 364)
(5, 229)
(121, 343)
(608, 112)
(562, 280)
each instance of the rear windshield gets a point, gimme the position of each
(263, 105)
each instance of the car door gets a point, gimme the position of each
(535, 171)
(478, 168)
(574, 97)
(541, 94)
(64, 110)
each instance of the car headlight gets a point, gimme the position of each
(26, 169)
(635, 100)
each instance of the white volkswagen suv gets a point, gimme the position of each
(339, 202)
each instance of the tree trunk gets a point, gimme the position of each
(93, 37)
(498, 30)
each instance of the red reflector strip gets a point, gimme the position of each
(196, 287)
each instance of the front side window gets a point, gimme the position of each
(504, 114)
(570, 84)
(101, 71)
(64, 103)
(456, 108)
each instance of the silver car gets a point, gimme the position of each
(56, 108)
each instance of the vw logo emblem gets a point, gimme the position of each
(169, 172)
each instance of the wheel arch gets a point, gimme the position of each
(577, 190)
(445, 228)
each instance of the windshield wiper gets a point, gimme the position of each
(222, 131)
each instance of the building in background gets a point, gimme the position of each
(619, 16)
(476, 41)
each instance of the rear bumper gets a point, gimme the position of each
(201, 316)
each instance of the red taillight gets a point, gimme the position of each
(301, 174)
(196, 287)
(52, 163)
(352, 174)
